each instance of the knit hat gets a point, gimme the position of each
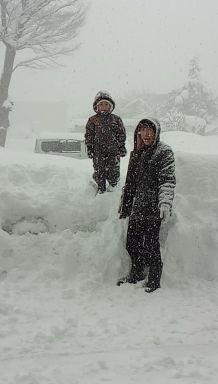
(103, 95)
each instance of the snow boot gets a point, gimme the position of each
(101, 189)
(110, 188)
(128, 279)
(134, 277)
(100, 192)
(154, 276)
(151, 289)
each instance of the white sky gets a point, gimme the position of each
(129, 45)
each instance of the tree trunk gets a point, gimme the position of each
(5, 108)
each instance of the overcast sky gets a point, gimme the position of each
(130, 45)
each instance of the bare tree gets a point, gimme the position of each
(46, 29)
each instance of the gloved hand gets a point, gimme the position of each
(123, 151)
(90, 153)
(164, 213)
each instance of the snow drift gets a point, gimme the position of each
(81, 234)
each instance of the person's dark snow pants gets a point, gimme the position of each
(106, 168)
(144, 249)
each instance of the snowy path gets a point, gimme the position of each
(60, 333)
(159, 365)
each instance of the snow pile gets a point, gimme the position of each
(191, 143)
(192, 245)
(54, 198)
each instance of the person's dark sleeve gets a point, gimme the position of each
(90, 138)
(121, 138)
(129, 189)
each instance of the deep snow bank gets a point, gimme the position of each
(192, 244)
(54, 226)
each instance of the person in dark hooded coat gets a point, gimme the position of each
(147, 200)
(105, 138)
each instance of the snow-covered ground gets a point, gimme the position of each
(63, 320)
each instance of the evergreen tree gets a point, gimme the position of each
(194, 98)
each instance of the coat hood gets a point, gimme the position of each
(154, 123)
(103, 95)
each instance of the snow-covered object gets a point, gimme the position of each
(70, 144)
(173, 121)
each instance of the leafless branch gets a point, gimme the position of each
(30, 23)
(43, 60)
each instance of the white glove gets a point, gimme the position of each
(164, 213)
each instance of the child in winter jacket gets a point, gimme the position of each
(147, 201)
(105, 140)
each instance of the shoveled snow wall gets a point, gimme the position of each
(191, 248)
(53, 226)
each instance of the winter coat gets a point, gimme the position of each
(150, 179)
(105, 134)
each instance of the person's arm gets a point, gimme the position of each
(90, 138)
(167, 183)
(129, 189)
(121, 137)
